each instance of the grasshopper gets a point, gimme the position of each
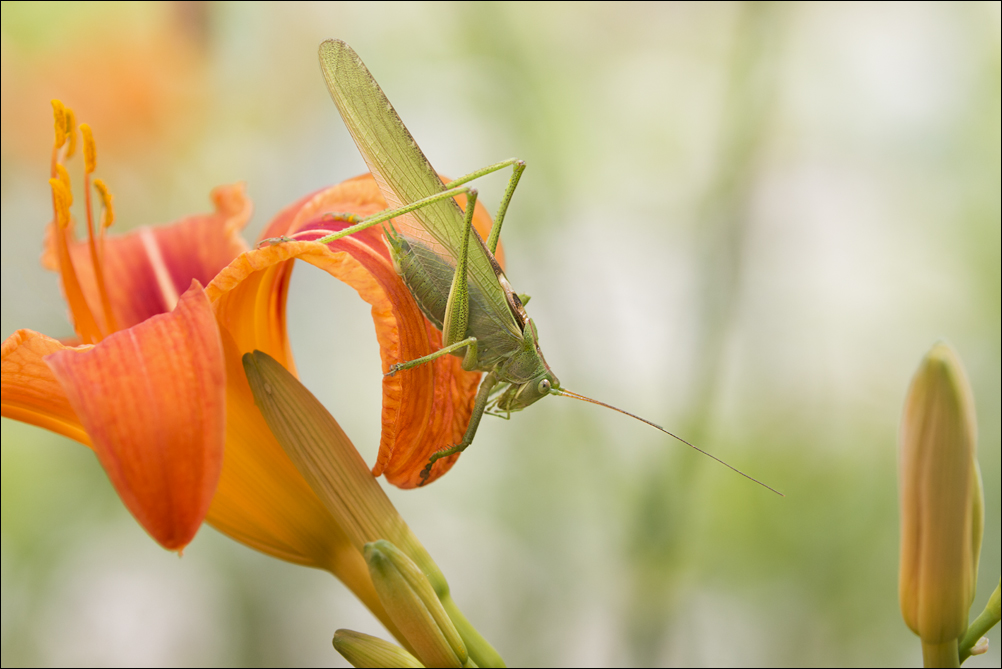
(449, 269)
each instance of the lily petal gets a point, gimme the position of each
(152, 400)
(147, 269)
(428, 407)
(30, 391)
(262, 499)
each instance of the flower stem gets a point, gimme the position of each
(480, 650)
(940, 654)
(988, 619)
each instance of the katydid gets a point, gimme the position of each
(451, 272)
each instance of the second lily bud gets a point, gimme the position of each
(414, 607)
(941, 504)
(363, 650)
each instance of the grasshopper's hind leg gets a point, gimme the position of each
(351, 219)
(452, 189)
(384, 215)
(518, 166)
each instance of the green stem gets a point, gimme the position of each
(940, 654)
(480, 650)
(988, 619)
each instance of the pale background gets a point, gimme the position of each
(746, 222)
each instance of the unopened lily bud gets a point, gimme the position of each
(362, 650)
(412, 604)
(941, 500)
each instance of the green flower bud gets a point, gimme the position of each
(412, 604)
(941, 500)
(362, 650)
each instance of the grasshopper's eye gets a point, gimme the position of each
(544, 387)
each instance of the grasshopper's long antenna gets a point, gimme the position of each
(566, 393)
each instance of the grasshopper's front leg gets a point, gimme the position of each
(470, 342)
(483, 396)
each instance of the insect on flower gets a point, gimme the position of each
(452, 274)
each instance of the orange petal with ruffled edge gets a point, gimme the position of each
(147, 269)
(29, 391)
(152, 399)
(428, 407)
(262, 500)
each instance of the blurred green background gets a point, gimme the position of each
(747, 222)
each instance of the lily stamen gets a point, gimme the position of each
(90, 164)
(59, 123)
(62, 197)
(90, 324)
(71, 135)
(107, 214)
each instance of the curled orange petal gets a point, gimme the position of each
(152, 399)
(425, 409)
(262, 500)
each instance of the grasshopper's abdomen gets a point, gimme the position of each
(428, 277)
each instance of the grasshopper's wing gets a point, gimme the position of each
(403, 173)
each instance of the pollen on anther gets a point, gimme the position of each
(60, 197)
(89, 149)
(64, 178)
(59, 118)
(106, 201)
(71, 132)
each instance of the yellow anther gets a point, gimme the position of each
(61, 202)
(59, 115)
(106, 201)
(89, 149)
(64, 177)
(71, 133)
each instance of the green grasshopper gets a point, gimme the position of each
(450, 271)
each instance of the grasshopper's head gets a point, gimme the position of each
(529, 376)
(520, 395)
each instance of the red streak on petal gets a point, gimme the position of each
(146, 269)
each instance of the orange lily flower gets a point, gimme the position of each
(121, 291)
(144, 386)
